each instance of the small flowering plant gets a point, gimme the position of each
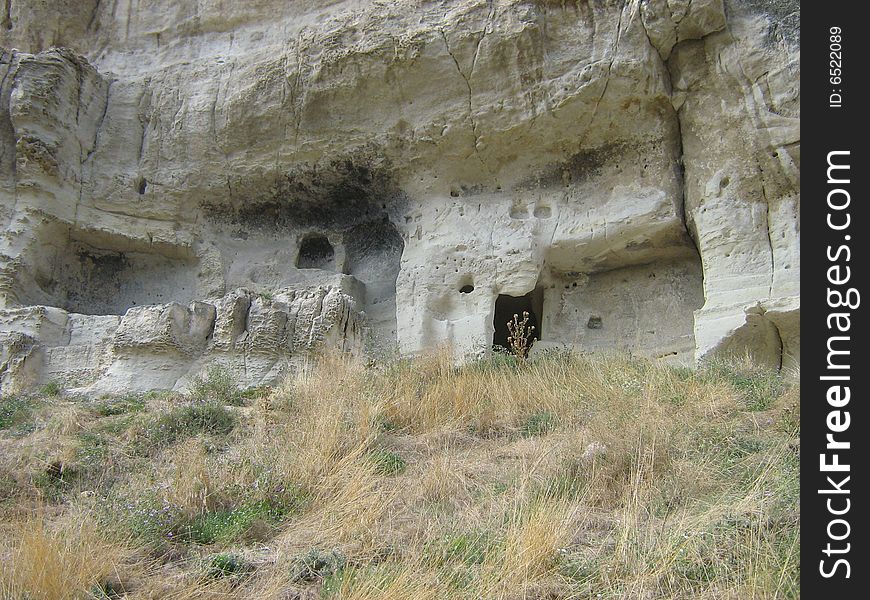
(521, 335)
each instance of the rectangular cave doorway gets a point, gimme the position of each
(508, 306)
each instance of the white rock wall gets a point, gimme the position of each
(633, 161)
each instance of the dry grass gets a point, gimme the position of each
(56, 561)
(559, 477)
(530, 549)
(444, 480)
(189, 478)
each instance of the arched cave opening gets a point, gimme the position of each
(315, 252)
(508, 306)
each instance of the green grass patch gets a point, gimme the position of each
(110, 407)
(469, 548)
(50, 390)
(758, 387)
(227, 526)
(539, 423)
(189, 420)
(15, 411)
(387, 462)
(228, 565)
(500, 359)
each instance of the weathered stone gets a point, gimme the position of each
(254, 182)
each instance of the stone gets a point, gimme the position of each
(254, 183)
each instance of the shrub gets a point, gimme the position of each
(316, 564)
(227, 564)
(217, 385)
(189, 420)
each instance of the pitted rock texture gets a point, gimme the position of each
(190, 182)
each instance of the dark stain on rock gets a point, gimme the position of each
(581, 166)
(335, 197)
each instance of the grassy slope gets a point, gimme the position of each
(563, 477)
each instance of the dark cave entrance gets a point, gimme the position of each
(508, 306)
(316, 252)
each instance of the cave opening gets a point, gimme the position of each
(507, 306)
(315, 252)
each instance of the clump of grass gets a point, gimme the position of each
(15, 411)
(217, 385)
(226, 526)
(530, 548)
(539, 422)
(500, 360)
(469, 547)
(387, 462)
(333, 416)
(50, 390)
(317, 564)
(228, 565)
(188, 420)
(386, 581)
(351, 503)
(109, 407)
(443, 480)
(758, 386)
(256, 392)
(190, 482)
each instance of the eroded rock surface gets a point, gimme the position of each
(190, 182)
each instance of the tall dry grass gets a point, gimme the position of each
(562, 476)
(60, 560)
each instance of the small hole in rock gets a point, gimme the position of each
(141, 185)
(725, 181)
(466, 289)
(594, 322)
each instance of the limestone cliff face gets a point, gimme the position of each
(246, 182)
